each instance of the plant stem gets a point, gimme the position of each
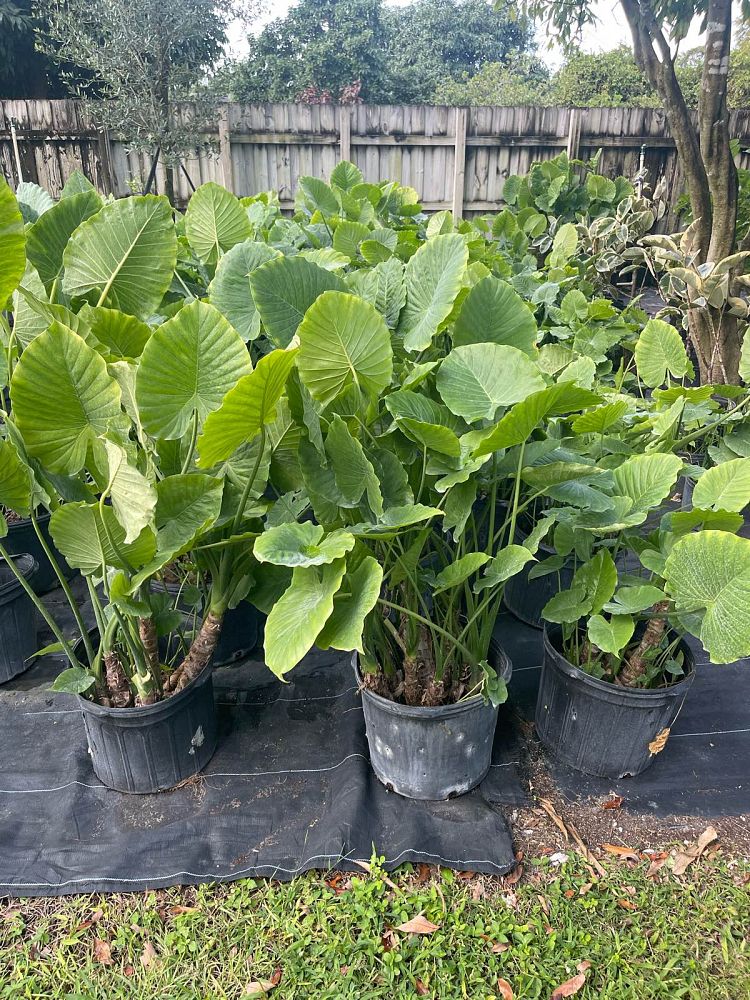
(65, 588)
(191, 447)
(425, 621)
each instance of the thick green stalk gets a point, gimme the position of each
(63, 581)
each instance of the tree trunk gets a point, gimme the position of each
(717, 340)
(636, 663)
(705, 159)
(200, 652)
(120, 695)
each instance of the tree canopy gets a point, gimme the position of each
(399, 54)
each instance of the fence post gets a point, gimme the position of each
(225, 148)
(574, 133)
(345, 133)
(459, 164)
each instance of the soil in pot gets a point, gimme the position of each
(600, 727)
(18, 619)
(431, 752)
(150, 748)
(21, 537)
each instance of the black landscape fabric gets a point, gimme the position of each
(289, 788)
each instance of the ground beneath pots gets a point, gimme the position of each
(290, 787)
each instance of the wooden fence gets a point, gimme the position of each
(455, 158)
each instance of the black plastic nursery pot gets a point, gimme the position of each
(153, 747)
(432, 752)
(21, 537)
(598, 727)
(525, 598)
(17, 618)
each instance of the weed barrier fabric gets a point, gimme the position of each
(289, 789)
(704, 769)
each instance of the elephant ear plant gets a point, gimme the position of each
(104, 435)
(616, 667)
(392, 534)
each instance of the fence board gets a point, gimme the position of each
(269, 146)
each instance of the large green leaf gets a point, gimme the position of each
(63, 398)
(301, 544)
(318, 196)
(121, 335)
(725, 486)
(515, 427)
(477, 379)
(15, 481)
(353, 603)
(433, 280)
(187, 367)
(458, 572)
(353, 471)
(509, 561)
(708, 573)
(300, 613)
(245, 408)
(494, 312)
(283, 291)
(91, 537)
(12, 243)
(346, 175)
(33, 201)
(50, 234)
(133, 497)
(126, 254)
(214, 222)
(348, 237)
(230, 290)
(659, 350)
(646, 479)
(344, 341)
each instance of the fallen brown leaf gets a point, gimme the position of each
(477, 891)
(613, 803)
(366, 866)
(128, 971)
(683, 859)
(570, 987)
(388, 940)
(621, 852)
(505, 989)
(512, 877)
(626, 904)
(655, 867)
(659, 742)
(423, 872)
(586, 887)
(544, 905)
(102, 952)
(420, 987)
(148, 955)
(499, 947)
(178, 911)
(466, 875)
(583, 966)
(418, 925)
(569, 893)
(258, 987)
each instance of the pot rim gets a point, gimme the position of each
(143, 711)
(12, 585)
(434, 711)
(24, 522)
(625, 694)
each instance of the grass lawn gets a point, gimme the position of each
(332, 936)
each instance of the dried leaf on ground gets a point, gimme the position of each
(613, 803)
(420, 987)
(626, 904)
(683, 859)
(423, 873)
(388, 939)
(621, 852)
(102, 952)
(555, 817)
(178, 911)
(570, 987)
(499, 947)
(505, 989)
(418, 925)
(148, 955)
(260, 987)
(512, 877)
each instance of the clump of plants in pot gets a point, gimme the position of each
(397, 435)
(616, 667)
(117, 455)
